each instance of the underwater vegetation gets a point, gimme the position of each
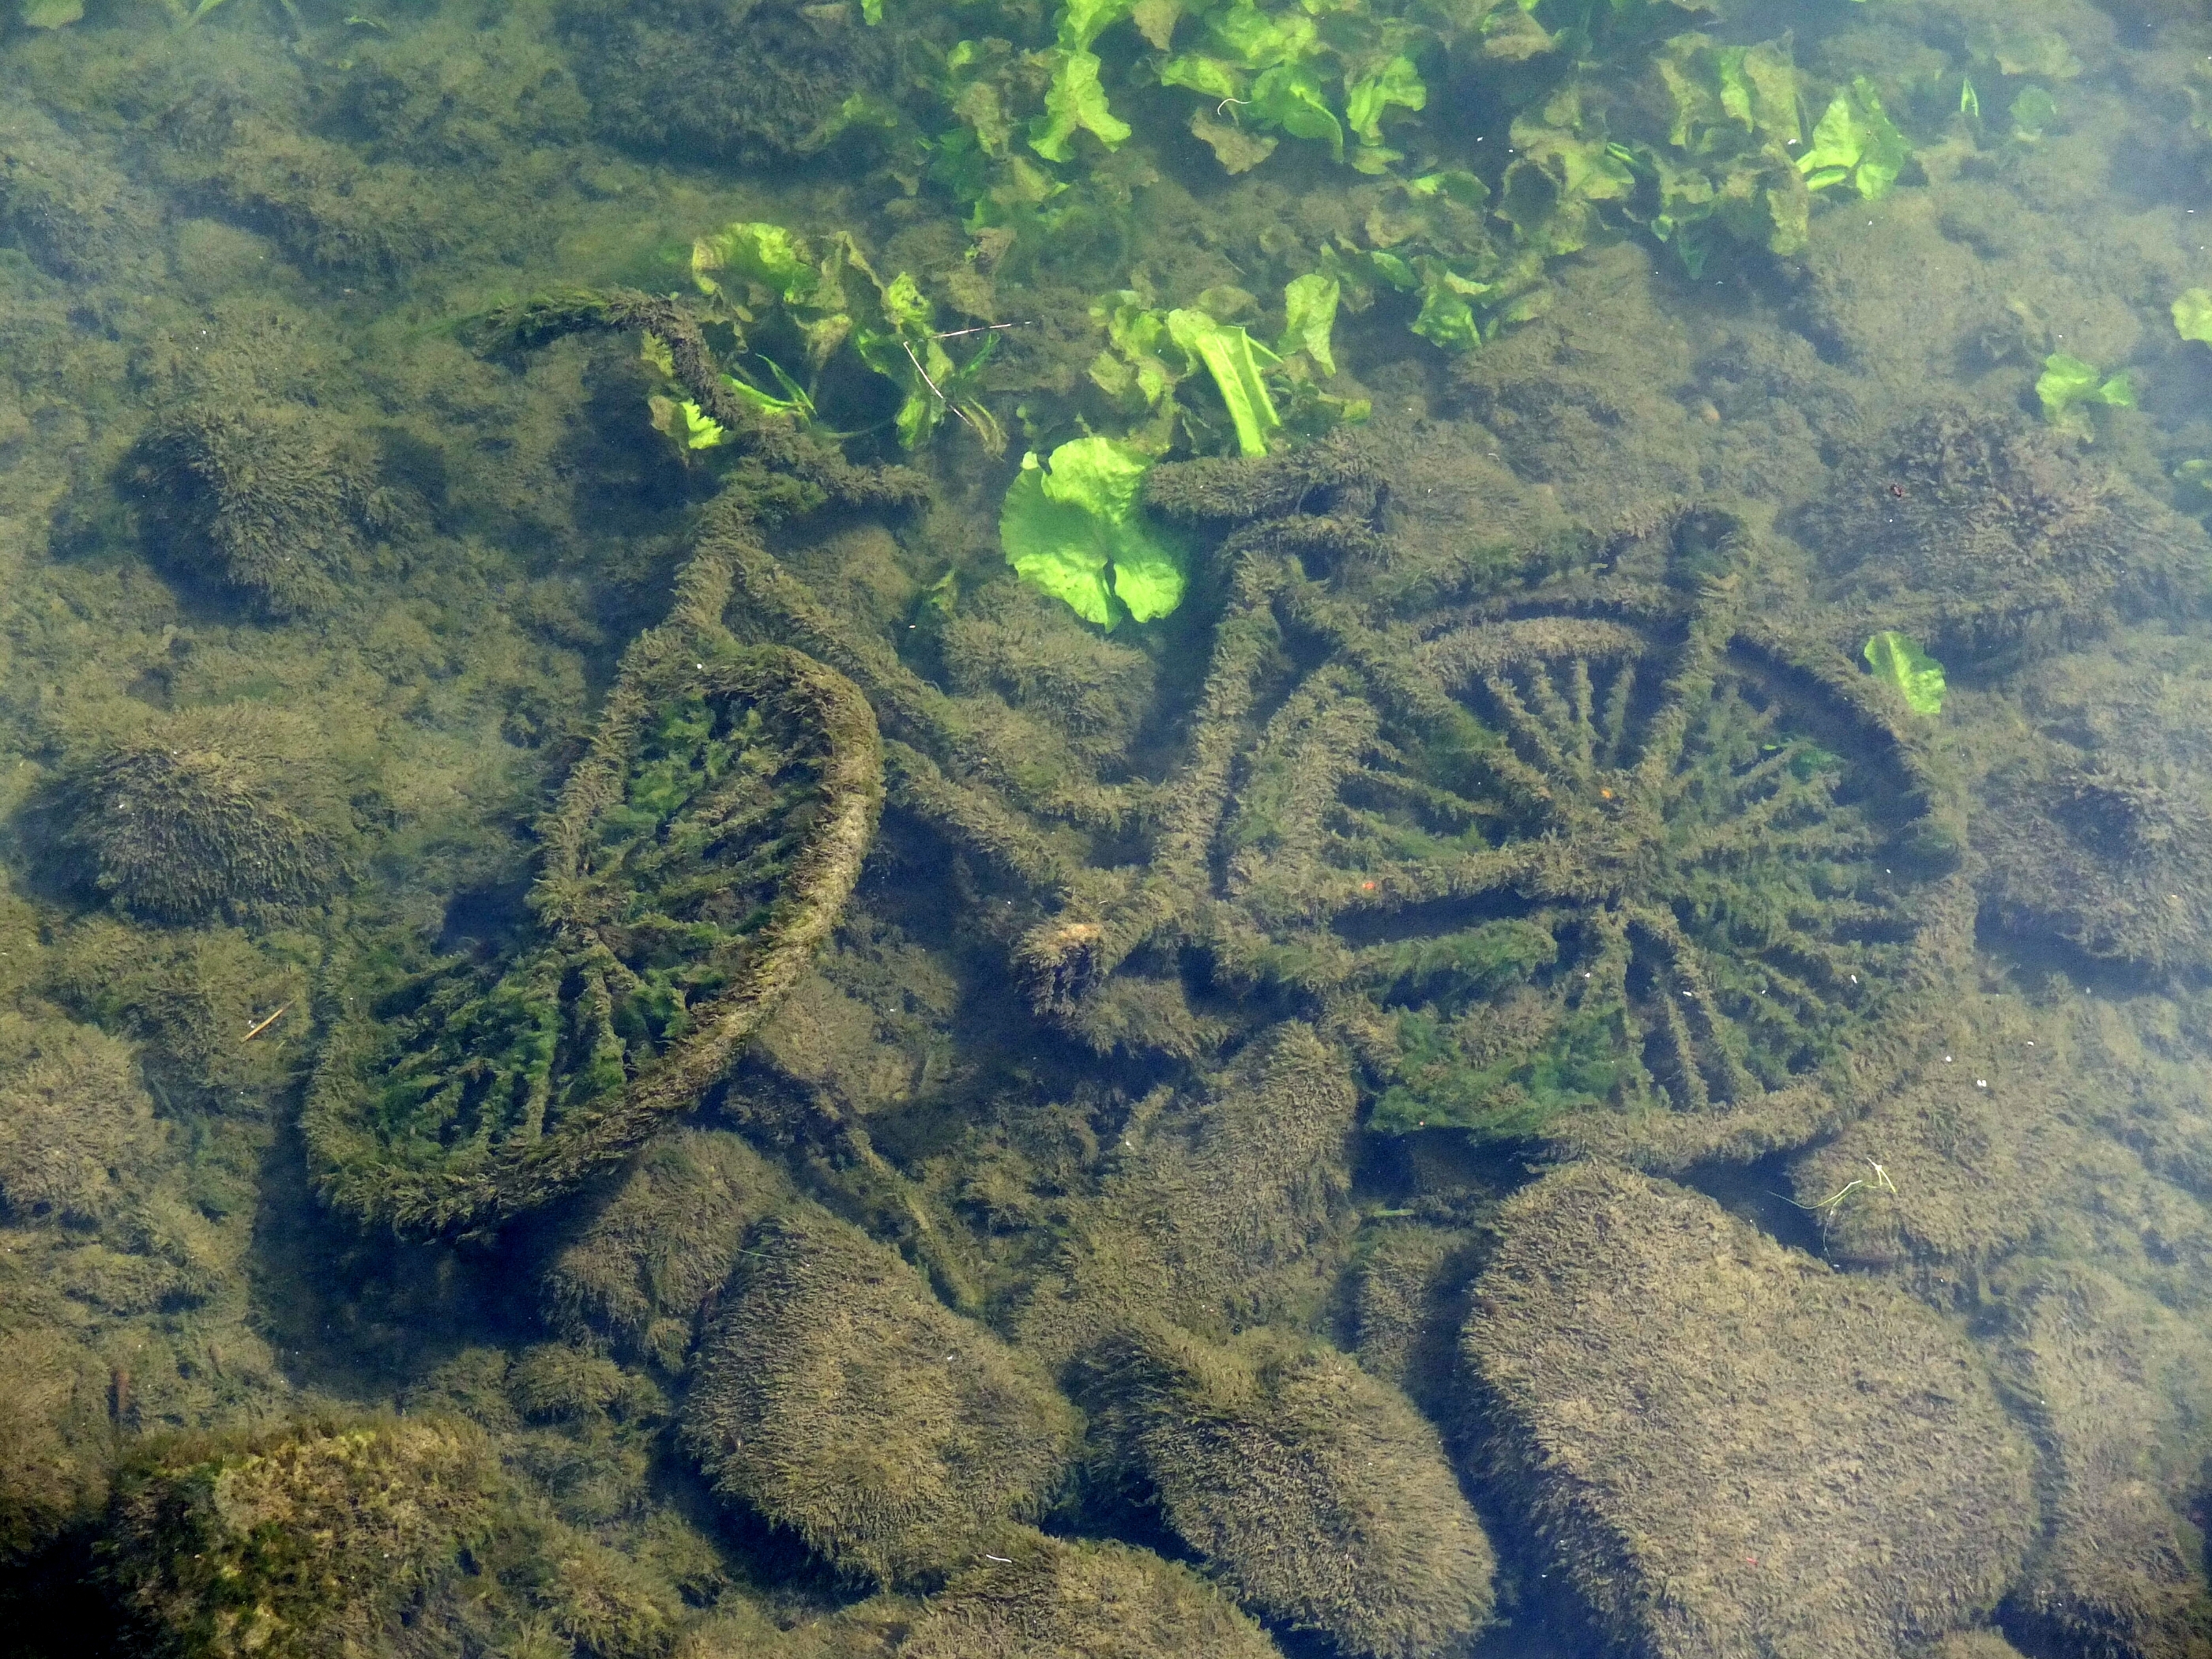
(1089, 740)
(205, 814)
(1977, 537)
(699, 852)
(1830, 1468)
(1316, 1490)
(838, 1397)
(2069, 388)
(1073, 527)
(1917, 676)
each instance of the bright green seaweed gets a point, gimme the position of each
(1917, 676)
(1073, 527)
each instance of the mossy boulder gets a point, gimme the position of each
(754, 83)
(1317, 1493)
(2107, 859)
(836, 1397)
(1724, 1447)
(1053, 1599)
(223, 811)
(78, 1137)
(2118, 1385)
(1217, 1209)
(317, 1542)
(264, 501)
(1977, 533)
(333, 1539)
(637, 1268)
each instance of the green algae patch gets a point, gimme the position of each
(2069, 388)
(2192, 314)
(1074, 528)
(699, 852)
(1918, 678)
(318, 1543)
(1855, 141)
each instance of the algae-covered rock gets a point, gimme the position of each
(637, 1268)
(1051, 1598)
(315, 1543)
(1220, 1198)
(1314, 1491)
(838, 1397)
(263, 499)
(753, 82)
(2116, 1386)
(78, 1132)
(333, 1540)
(1724, 1447)
(2112, 861)
(1977, 532)
(211, 812)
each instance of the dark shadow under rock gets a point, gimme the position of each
(1726, 1448)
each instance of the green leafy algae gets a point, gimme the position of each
(831, 300)
(2192, 314)
(1073, 528)
(1917, 677)
(2069, 388)
(1855, 141)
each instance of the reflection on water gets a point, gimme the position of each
(1361, 827)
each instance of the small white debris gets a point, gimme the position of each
(1981, 1083)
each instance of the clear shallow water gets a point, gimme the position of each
(1531, 969)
